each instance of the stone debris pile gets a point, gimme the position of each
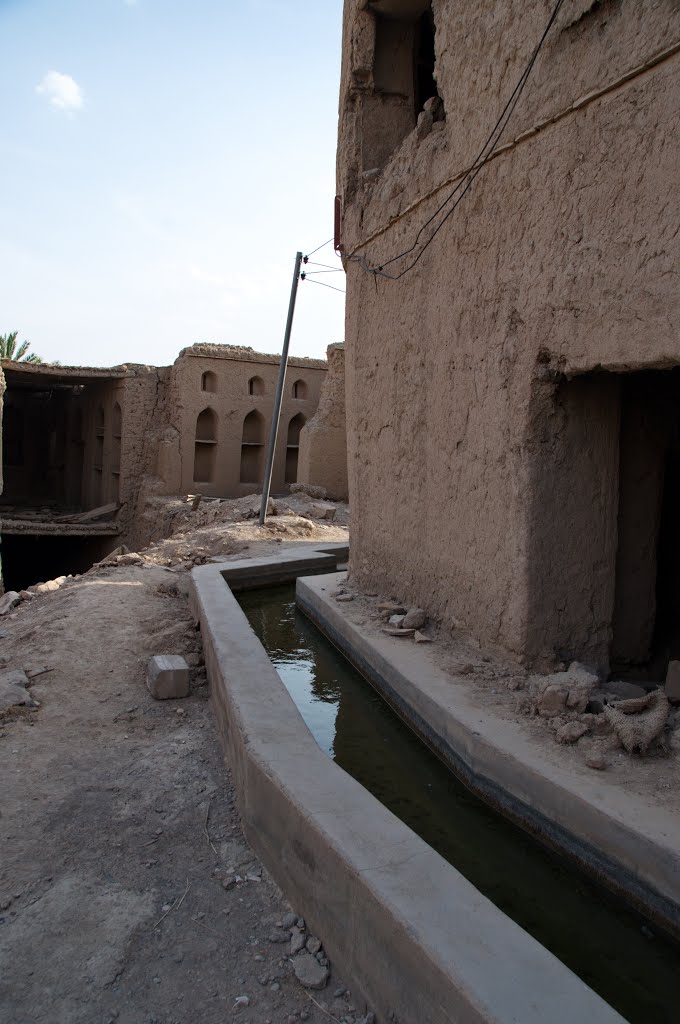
(605, 716)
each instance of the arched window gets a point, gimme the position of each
(256, 386)
(116, 435)
(292, 447)
(299, 389)
(205, 445)
(209, 381)
(252, 448)
(98, 454)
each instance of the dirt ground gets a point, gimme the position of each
(127, 890)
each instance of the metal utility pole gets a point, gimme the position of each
(276, 413)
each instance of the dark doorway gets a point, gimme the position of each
(29, 559)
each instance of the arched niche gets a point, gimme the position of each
(252, 448)
(300, 389)
(256, 386)
(293, 446)
(209, 381)
(205, 446)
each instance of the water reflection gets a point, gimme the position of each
(599, 940)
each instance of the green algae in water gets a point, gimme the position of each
(604, 943)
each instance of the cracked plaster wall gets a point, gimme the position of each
(562, 259)
(323, 442)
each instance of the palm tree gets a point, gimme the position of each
(9, 349)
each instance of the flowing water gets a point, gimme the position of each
(611, 948)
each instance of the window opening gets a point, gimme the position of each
(424, 80)
(256, 386)
(293, 447)
(252, 448)
(205, 446)
(209, 381)
(299, 389)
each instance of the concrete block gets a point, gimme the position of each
(673, 682)
(167, 677)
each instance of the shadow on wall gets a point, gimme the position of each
(205, 446)
(604, 546)
(252, 448)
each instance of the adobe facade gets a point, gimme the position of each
(323, 441)
(513, 399)
(76, 439)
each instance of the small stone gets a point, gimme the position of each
(344, 598)
(278, 935)
(297, 941)
(420, 638)
(596, 759)
(392, 607)
(309, 972)
(339, 993)
(229, 883)
(396, 620)
(45, 588)
(570, 732)
(304, 1015)
(242, 1001)
(313, 944)
(624, 690)
(10, 600)
(167, 677)
(398, 632)
(14, 690)
(274, 987)
(414, 618)
(301, 923)
(289, 920)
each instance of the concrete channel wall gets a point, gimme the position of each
(611, 834)
(416, 938)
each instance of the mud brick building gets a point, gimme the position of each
(513, 397)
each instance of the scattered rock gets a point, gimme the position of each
(396, 620)
(289, 920)
(597, 760)
(9, 600)
(344, 598)
(167, 677)
(278, 935)
(309, 972)
(672, 688)
(242, 1001)
(311, 489)
(313, 945)
(392, 607)
(26, 595)
(399, 632)
(45, 588)
(129, 559)
(322, 510)
(414, 619)
(571, 690)
(420, 638)
(297, 941)
(570, 732)
(14, 690)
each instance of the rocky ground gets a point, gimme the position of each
(127, 890)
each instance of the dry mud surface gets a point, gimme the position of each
(118, 829)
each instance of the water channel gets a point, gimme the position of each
(611, 948)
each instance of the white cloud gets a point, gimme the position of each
(62, 91)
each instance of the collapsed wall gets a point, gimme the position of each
(484, 478)
(323, 441)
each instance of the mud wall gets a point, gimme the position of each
(323, 442)
(559, 260)
(219, 407)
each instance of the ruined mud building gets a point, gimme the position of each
(514, 398)
(85, 450)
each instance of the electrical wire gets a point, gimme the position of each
(323, 284)
(482, 159)
(311, 263)
(311, 273)
(317, 249)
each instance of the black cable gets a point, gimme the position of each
(311, 263)
(317, 249)
(478, 165)
(310, 273)
(324, 285)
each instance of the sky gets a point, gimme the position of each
(161, 162)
